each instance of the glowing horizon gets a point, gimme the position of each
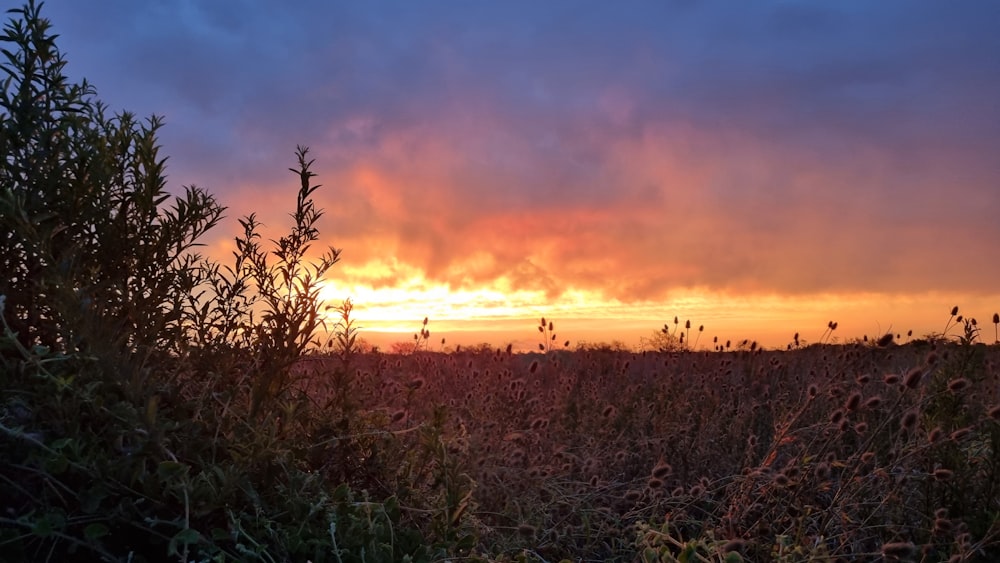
(490, 315)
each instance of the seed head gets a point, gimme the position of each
(956, 385)
(853, 401)
(942, 526)
(960, 434)
(912, 378)
(994, 413)
(942, 474)
(899, 550)
(734, 545)
(837, 416)
(661, 470)
(935, 434)
(891, 378)
(822, 471)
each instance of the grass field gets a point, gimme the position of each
(820, 453)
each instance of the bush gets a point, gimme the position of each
(148, 409)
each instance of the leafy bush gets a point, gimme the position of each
(149, 408)
(93, 258)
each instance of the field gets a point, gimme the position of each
(830, 452)
(820, 453)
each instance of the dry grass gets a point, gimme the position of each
(821, 453)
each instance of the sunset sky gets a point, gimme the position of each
(759, 168)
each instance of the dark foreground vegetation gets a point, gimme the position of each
(159, 406)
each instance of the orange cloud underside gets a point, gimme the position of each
(751, 239)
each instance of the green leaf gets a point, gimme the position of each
(95, 531)
(42, 528)
(185, 537)
(168, 470)
(90, 499)
(56, 464)
(60, 443)
(466, 542)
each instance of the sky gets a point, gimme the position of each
(759, 168)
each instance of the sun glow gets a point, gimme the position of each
(391, 300)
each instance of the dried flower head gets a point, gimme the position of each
(942, 474)
(853, 401)
(736, 545)
(899, 550)
(956, 385)
(661, 470)
(822, 471)
(935, 434)
(960, 434)
(942, 527)
(912, 378)
(994, 413)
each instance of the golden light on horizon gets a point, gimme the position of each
(390, 309)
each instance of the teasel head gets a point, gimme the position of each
(956, 385)
(527, 530)
(853, 402)
(909, 420)
(941, 474)
(912, 378)
(994, 413)
(960, 434)
(898, 551)
(661, 470)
